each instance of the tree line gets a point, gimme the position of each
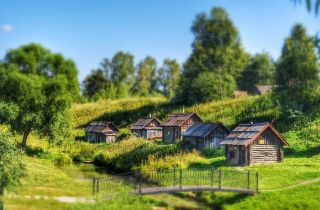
(37, 86)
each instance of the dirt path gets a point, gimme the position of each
(307, 182)
(66, 199)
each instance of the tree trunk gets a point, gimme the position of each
(24, 139)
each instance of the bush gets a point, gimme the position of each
(124, 133)
(61, 159)
(208, 152)
(11, 165)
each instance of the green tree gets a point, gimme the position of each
(37, 103)
(11, 165)
(259, 71)
(297, 73)
(121, 70)
(146, 81)
(94, 83)
(216, 49)
(36, 60)
(169, 76)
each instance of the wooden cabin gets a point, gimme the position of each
(101, 131)
(262, 89)
(176, 125)
(148, 128)
(254, 143)
(204, 135)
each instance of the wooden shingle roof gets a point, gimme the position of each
(143, 122)
(178, 119)
(202, 129)
(106, 128)
(245, 134)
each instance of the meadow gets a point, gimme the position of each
(301, 161)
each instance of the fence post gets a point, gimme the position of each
(211, 176)
(174, 176)
(248, 179)
(140, 182)
(257, 182)
(94, 186)
(180, 179)
(97, 191)
(220, 175)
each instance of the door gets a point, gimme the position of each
(242, 156)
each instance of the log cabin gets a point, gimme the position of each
(254, 143)
(176, 125)
(101, 131)
(204, 135)
(148, 128)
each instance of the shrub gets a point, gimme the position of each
(208, 152)
(61, 159)
(124, 133)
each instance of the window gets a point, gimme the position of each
(231, 154)
(261, 141)
(177, 133)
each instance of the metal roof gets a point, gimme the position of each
(244, 134)
(201, 129)
(177, 119)
(106, 128)
(143, 122)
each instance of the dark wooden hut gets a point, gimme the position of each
(148, 128)
(177, 124)
(254, 143)
(101, 131)
(204, 135)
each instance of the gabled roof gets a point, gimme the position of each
(245, 134)
(143, 122)
(106, 128)
(202, 129)
(178, 119)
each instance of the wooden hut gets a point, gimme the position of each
(148, 128)
(101, 131)
(254, 143)
(177, 124)
(262, 89)
(204, 135)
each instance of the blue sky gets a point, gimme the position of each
(89, 30)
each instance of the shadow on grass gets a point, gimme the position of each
(305, 153)
(124, 118)
(215, 164)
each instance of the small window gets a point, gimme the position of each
(177, 133)
(262, 141)
(231, 154)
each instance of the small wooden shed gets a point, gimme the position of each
(204, 135)
(101, 131)
(254, 143)
(176, 125)
(148, 128)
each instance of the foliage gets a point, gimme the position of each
(146, 78)
(259, 71)
(42, 108)
(61, 159)
(209, 152)
(169, 76)
(123, 134)
(12, 168)
(297, 71)
(94, 83)
(34, 59)
(216, 50)
(129, 154)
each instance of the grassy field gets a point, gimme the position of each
(301, 163)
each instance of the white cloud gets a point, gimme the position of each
(6, 28)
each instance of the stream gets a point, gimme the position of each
(86, 171)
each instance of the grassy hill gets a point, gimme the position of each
(301, 161)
